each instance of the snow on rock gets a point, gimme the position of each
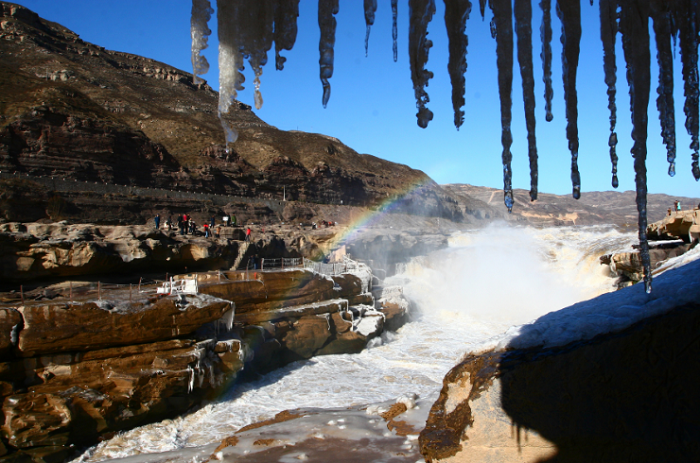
(608, 313)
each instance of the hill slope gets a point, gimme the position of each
(75, 110)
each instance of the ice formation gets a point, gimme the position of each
(327, 9)
(201, 14)
(421, 13)
(247, 30)
(456, 16)
(370, 10)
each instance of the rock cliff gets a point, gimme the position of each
(82, 366)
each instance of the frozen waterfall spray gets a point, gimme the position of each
(247, 30)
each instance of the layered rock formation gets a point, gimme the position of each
(74, 110)
(611, 379)
(73, 371)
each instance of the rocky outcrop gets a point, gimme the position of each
(684, 225)
(72, 371)
(609, 380)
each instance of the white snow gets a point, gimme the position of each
(608, 313)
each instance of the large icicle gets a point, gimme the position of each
(456, 16)
(230, 63)
(394, 27)
(569, 12)
(523, 29)
(285, 35)
(327, 9)
(546, 56)
(661, 15)
(421, 13)
(687, 17)
(634, 24)
(370, 10)
(201, 14)
(608, 31)
(502, 29)
(482, 8)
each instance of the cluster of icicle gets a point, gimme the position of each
(247, 30)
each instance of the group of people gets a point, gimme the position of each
(187, 226)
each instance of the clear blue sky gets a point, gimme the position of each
(372, 107)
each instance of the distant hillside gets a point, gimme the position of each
(74, 110)
(607, 207)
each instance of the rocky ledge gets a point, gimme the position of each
(607, 380)
(80, 367)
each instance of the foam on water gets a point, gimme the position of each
(484, 283)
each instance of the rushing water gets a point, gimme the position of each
(482, 284)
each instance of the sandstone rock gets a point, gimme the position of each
(273, 290)
(10, 324)
(88, 326)
(33, 420)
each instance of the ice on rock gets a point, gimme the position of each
(502, 30)
(570, 15)
(523, 29)
(456, 16)
(201, 14)
(608, 32)
(421, 13)
(370, 10)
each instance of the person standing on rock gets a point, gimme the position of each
(233, 220)
(212, 222)
(225, 220)
(157, 221)
(247, 234)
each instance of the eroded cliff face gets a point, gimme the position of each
(624, 395)
(75, 369)
(74, 110)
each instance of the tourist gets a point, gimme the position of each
(157, 221)
(247, 234)
(225, 220)
(212, 222)
(206, 230)
(678, 205)
(193, 226)
(233, 220)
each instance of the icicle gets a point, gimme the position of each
(201, 14)
(523, 29)
(569, 12)
(230, 61)
(608, 31)
(635, 44)
(687, 15)
(394, 27)
(286, 14)
(326, 21)
(482, 8)
(421, 13)
(664, 56)
(546, 55)
(370, 10)
(456, 16)
(502, 25)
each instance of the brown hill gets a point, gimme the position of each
(594, 208)
(74, 110)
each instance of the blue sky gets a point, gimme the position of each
(372, 107)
